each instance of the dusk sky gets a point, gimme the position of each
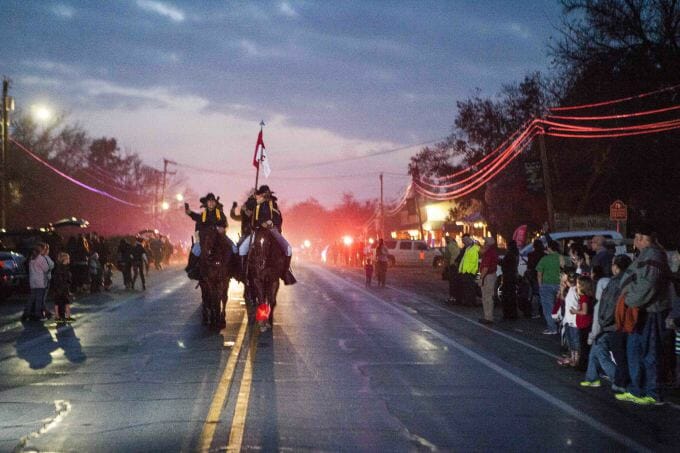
(191, 80)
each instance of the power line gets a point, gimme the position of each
(365, 156)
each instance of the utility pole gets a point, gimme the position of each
(154, 207)
(7, 105)
(546, 182)
(382, 209)
(420, 218)
(166, 162)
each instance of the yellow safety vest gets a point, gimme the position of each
(470, 262)
(217, 214)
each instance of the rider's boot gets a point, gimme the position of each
(288, 277)
(242, 267)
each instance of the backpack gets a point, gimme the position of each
(626, 317)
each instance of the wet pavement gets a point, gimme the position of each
(345, 368)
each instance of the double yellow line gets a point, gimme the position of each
(222, 392)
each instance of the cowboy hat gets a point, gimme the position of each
(210, 196)
(263, 190)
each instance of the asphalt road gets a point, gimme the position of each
(346, 368)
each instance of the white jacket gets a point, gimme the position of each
(38, 272)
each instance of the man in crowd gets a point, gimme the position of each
(469, 266)
(452, 262)
(603, 256)
(548, 276)
(487, 271)
(646, 285)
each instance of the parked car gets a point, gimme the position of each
(405, 252)
(13, 273)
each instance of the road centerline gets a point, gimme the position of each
(223, 388)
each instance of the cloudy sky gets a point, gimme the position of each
(333, 80)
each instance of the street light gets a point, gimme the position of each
(179, 197)
(165, 206)
(41, 113)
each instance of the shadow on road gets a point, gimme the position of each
(70, 343)
(35, 345)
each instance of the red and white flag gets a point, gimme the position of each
(260, 156)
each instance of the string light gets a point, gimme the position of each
(615, 101)
(615, 117)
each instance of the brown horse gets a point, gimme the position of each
(217, 266)
(266, 264)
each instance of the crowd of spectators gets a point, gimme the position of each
(84, 265)
(616, 317)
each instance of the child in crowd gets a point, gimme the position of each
(578, 329)
(108, 276)
(570, 298)
(61, 284)
(368, 267)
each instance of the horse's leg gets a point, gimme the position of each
(204, 305)
(273, 291)
(215, 308)
(223, 305)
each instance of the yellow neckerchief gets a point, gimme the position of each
(217, 214)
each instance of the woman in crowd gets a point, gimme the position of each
(38, 269)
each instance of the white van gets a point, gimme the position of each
(411, 253)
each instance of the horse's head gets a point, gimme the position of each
(207, 238)
(215, 248)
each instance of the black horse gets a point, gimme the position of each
(217, 265)
(265, 265)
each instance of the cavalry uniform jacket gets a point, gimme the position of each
(209, 218)
(267, 211)
(245, 216)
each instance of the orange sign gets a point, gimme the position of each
(618, 211)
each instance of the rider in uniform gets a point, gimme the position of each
(266, 214)
(212, 215)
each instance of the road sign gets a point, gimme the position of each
(618, 211)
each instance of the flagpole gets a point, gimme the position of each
(259, 158)
(252, 218)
